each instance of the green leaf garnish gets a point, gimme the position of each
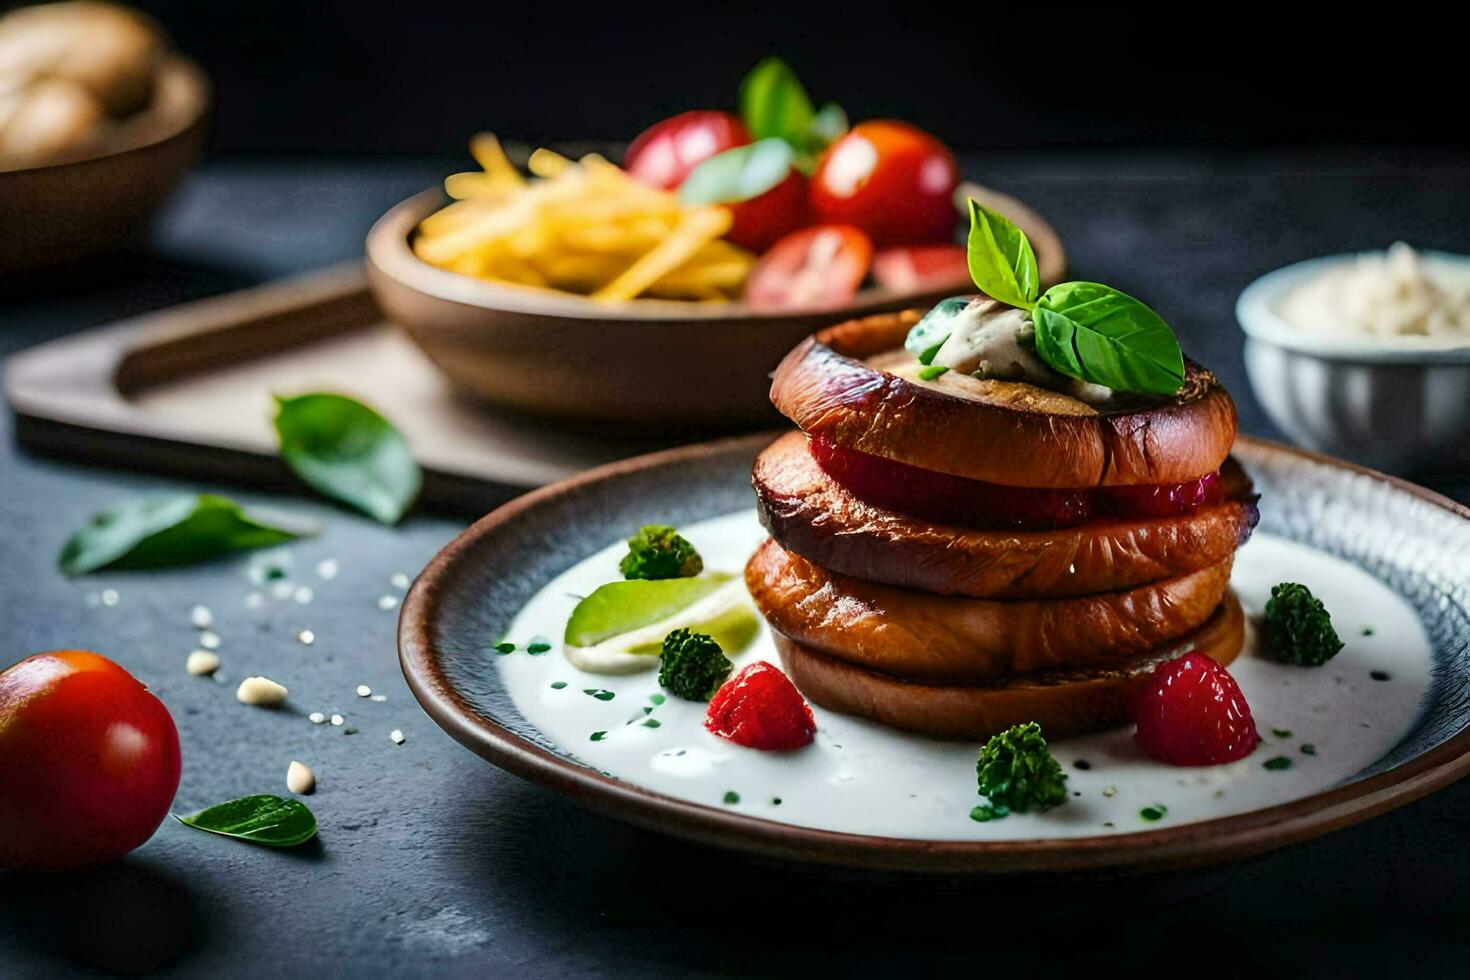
(267, 820)
(1001, 261)
(1098, 334)
(774, 104)
(348, 452)
(828, 125)
(738, 174)
(154, 532)
(929, 334)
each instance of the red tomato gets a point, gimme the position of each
(664, 153)
(762, 221)
(818, 266)
(893, 181)
(923, 268)
(89, 762)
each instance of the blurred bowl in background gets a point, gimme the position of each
(54, 215)
(661, 364)
(1392, 403)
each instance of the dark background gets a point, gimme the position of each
(332, 77)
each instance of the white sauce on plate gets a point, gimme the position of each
(859, 777)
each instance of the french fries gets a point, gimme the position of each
(581, 226)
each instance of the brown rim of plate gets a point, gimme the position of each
(388, 249)
(1168, 848)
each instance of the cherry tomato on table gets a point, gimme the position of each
(923, 268)
(890, 179)
(89, 762)
(819, 266)
(663, 154)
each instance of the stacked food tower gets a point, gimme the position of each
(964, 538)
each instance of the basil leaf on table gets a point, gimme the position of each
(1098, 334)
(774, 104)
(348, 452)
(267, 820)
(155, 532)
(1001, 261)
(738, 174)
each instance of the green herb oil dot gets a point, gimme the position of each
(731, 798)
(1082, 764)
(1308, 748)
(598, 736)
(651, 723)
(1281, 733)
(1378, 675)
(505, 647)
(1276, 763)
(538, 646)
(1155, 812)
(558, 685)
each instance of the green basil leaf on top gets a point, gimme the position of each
(1098, 334)
(773, 104)
(1001, 261)
(265, 819)
(738, 174)
(155, 532)
(929, 334)
(348, 452)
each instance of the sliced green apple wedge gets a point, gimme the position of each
(620, 628)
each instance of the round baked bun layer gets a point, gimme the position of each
(998, 431)
(811, 514)
(959, 640)
(1064, 703)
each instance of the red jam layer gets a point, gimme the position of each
(947, 499)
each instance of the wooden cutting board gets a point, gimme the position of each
(187, 391)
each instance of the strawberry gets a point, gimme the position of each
(761, 709)
(1191, 713)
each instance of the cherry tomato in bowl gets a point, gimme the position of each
(89, 762)
(663, 154)
(892, 180)
(923, 268)
(819, 266)
(763, 220)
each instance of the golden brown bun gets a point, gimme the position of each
(953, 639)
(1064, 703)
(1001, 432)
(809, 513)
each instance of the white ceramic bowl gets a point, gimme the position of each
(1395, 404)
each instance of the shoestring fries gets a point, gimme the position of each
(581, 226)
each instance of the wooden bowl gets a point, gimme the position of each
(642, 363)
(57, 214)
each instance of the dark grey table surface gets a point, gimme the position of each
(430, 861)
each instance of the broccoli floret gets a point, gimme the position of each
(1017, 772)
(1297, 628)
(658, 551)
(692, 665)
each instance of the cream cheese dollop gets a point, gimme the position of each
(993, 341)
(1390, 294)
